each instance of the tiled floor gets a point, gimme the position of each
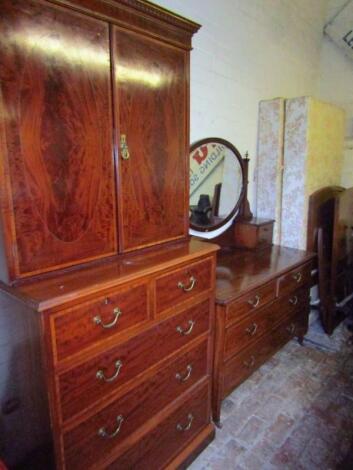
(295, 412)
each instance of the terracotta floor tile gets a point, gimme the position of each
(295, 412)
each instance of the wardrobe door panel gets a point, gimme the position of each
(56, 97)
(151, 101)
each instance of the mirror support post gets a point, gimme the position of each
(245, 212)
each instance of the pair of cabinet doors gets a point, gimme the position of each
(94, 137)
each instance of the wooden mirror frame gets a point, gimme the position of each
(243, 193)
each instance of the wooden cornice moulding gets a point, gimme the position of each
(142, 16)
(160, 13)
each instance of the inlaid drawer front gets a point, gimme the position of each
(298, 300)
(251, 302)
(296, 325)
(242, 365)
(86, 383)
(294, 279)
(240, 335)
(80, 327)
(97, 436)
(183, 284)
(160, 445)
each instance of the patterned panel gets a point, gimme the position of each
(294, 200)
(269, 162)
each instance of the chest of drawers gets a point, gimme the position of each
(262, 301)
(126, 352)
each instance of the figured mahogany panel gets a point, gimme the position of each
(80, 327)
(55, 94)
(83, 446)
(168, 437)
(151, 96)
(80, 387)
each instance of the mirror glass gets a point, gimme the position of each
(216, 183)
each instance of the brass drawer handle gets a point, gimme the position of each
(255, 301)
(101, 376)
(187, 376)
(291, 328)
(252, 329)
(98, 320)
(182, 428)
(188, 331)
(297, 277)
(125, 154)
(102, 432)
(293, 300)
(250, 363)
(181, 285)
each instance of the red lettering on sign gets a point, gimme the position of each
(200, 157)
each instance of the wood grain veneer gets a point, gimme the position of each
(79, 388)
(161, 445)
(55, 89)
(76, 328)
(152, 352)
(150, 75)
(83, 446)
(195, 277)
(75, 77)
(78, 78)
(251, 301)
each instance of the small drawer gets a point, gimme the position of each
(158, 447)
(96, 437)
(183, 284)
(265, 234)
(81, 327)
(250, 302)
(101, 376)
(295, 279)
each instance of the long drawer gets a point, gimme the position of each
(80, 327)
(241, 366)
(156, 449)
(91, 381)
(97, 436)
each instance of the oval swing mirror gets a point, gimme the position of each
(217, 183)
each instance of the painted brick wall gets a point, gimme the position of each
(247, 51)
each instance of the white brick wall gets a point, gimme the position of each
(247, 51)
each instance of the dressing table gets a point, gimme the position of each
(262, 290)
